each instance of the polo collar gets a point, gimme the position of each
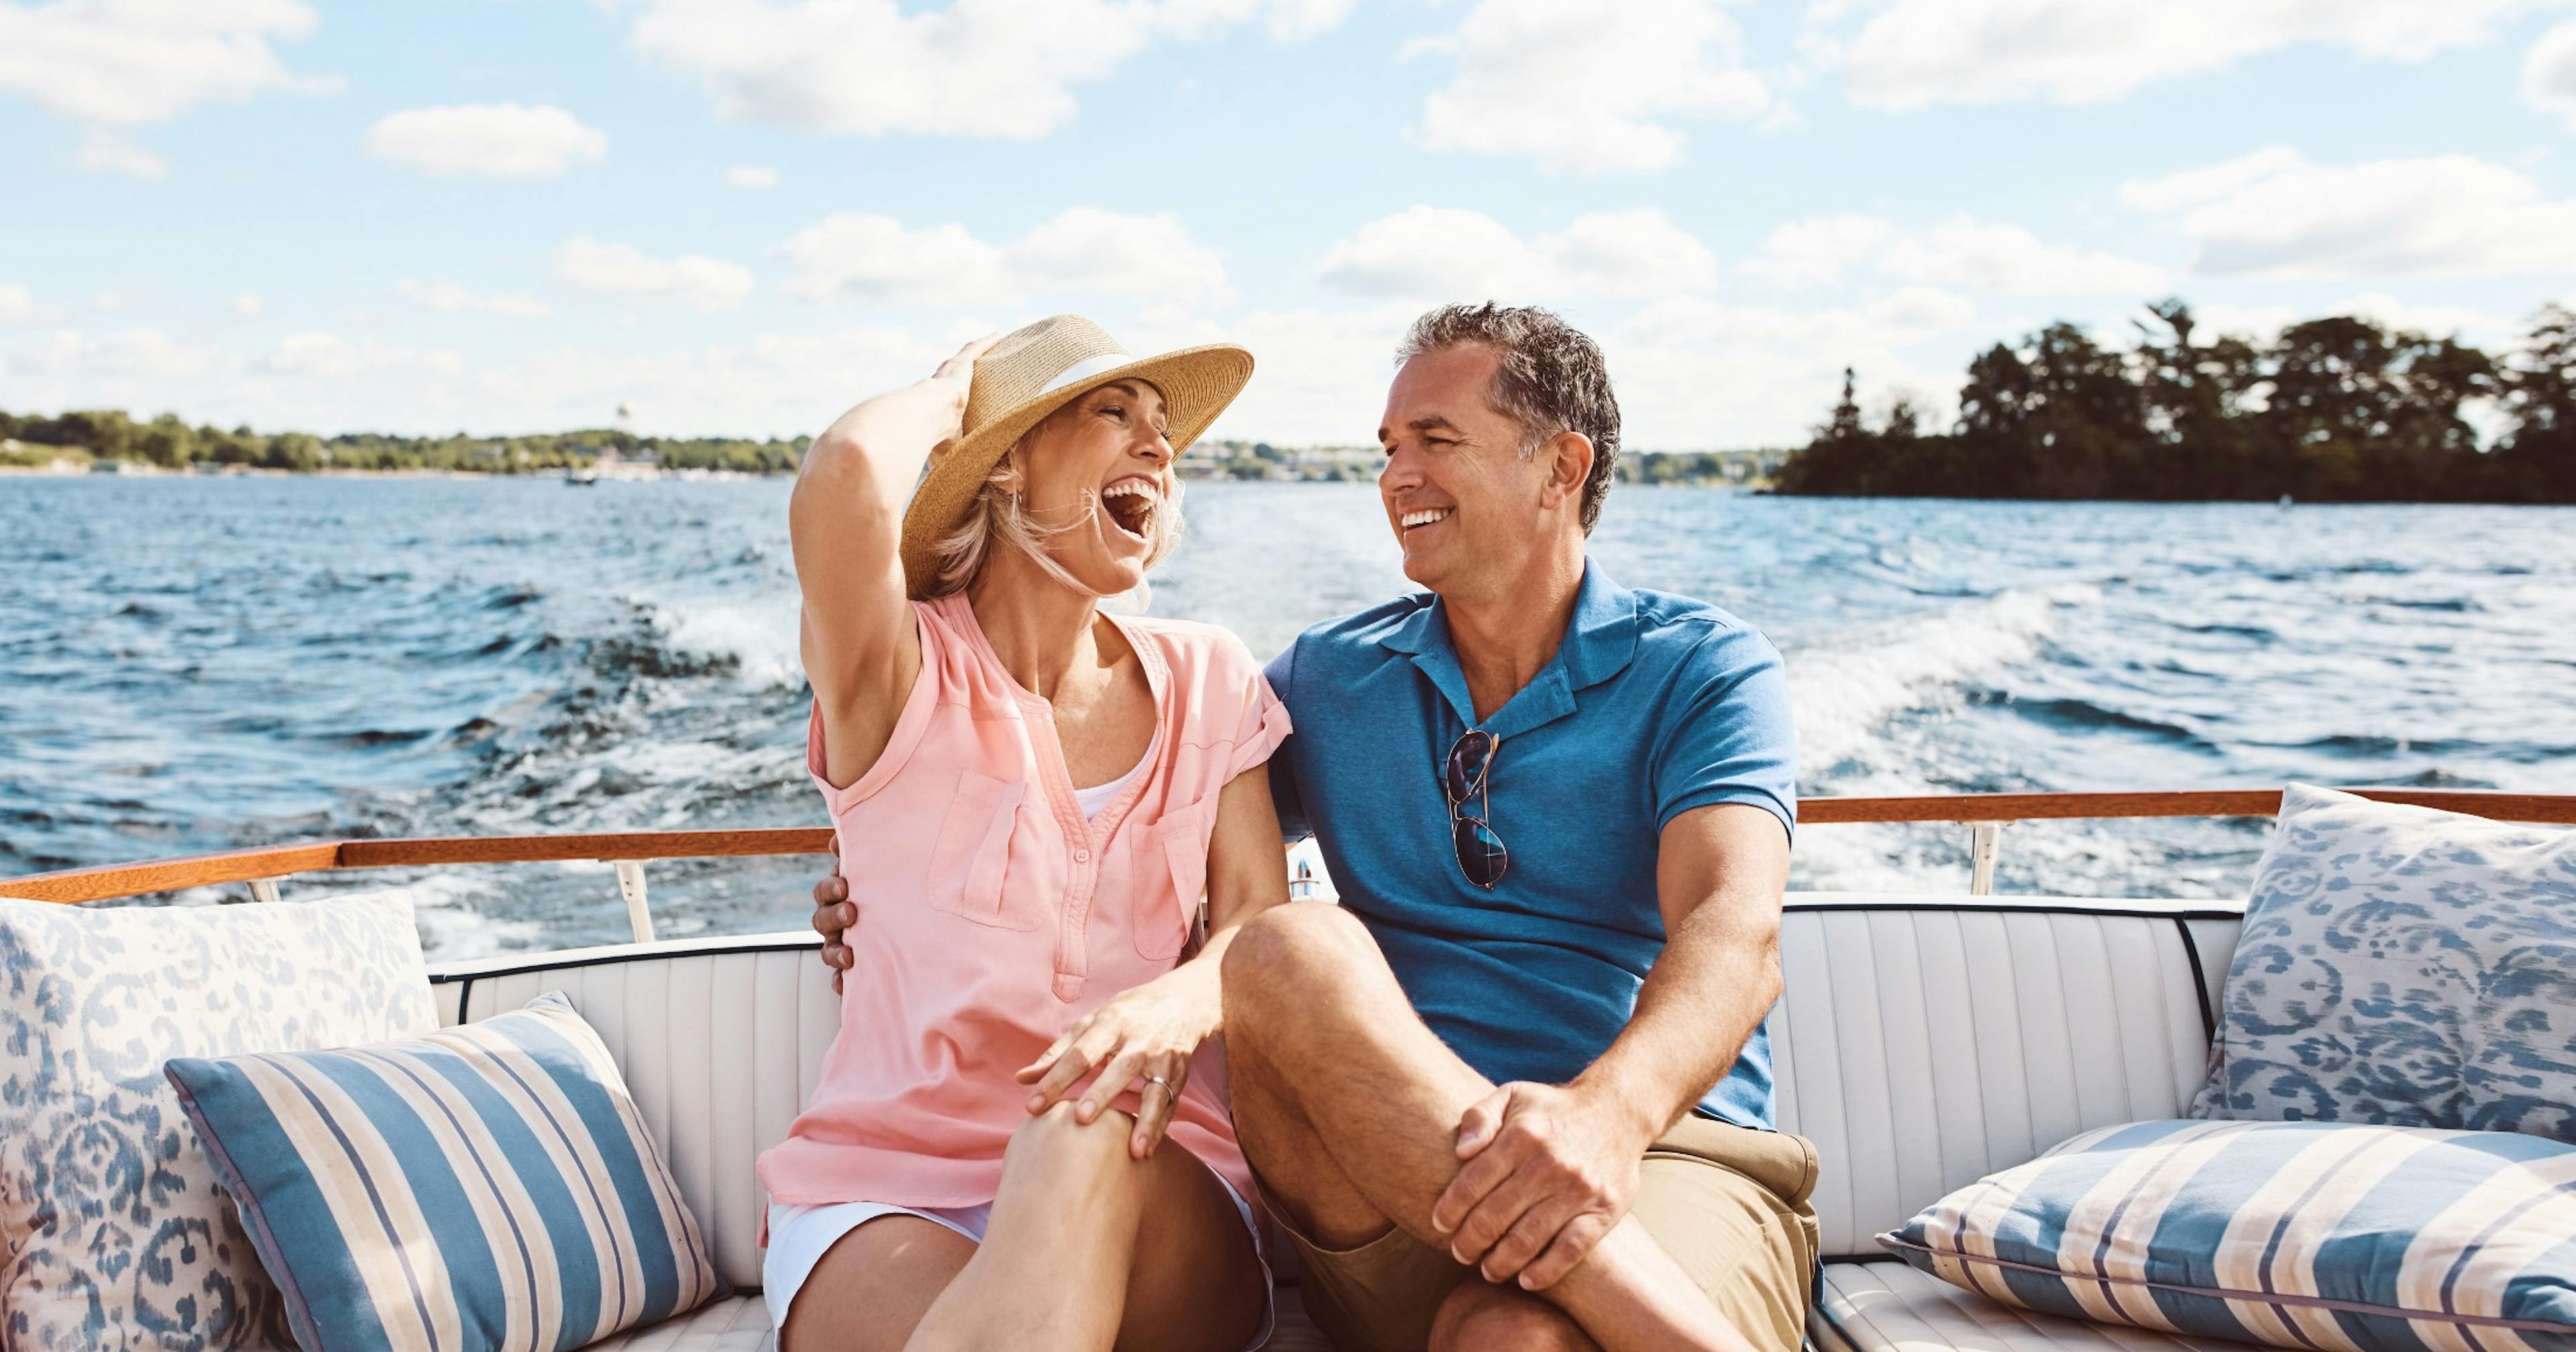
(1600, 640)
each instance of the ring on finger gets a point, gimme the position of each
(1166, 1084)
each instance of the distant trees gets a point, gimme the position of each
(2337, 408)
(169, 442)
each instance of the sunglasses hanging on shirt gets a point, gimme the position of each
(1464, 779)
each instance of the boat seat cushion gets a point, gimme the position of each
(111, 1220)
(1886, 1306)
(2301, 1235)
(2406, 967)
(486, 1187)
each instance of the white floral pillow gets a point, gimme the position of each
(2404, 967)
(116, 1232)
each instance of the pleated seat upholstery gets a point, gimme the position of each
(1889, 1307)
(1922, 1043)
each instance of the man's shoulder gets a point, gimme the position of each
(1686, 634)
(1361, 632)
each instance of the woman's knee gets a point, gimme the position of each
(1057, 1140)
(1479, 1316)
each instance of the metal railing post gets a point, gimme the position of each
(1985, 840)
(263, 889)
(630, 885)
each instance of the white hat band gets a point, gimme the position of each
(1085, 369)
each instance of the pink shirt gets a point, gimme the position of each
(992, 914)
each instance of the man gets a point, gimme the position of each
(1514, 1091)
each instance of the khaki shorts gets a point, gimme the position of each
(1727, 1202)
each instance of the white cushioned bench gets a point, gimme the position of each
(1922, 1043)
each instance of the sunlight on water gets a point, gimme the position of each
(196, 665)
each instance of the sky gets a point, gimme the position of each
(739, 217)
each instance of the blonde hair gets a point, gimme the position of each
(1000, 515)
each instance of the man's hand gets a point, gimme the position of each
(834, 914)
(1549, 1171)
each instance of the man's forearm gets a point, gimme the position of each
(1716, 980)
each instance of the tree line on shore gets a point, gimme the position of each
(2334, 409)
(170, 443)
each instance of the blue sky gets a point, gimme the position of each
(514, 215)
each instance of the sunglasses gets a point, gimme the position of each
(1481, 855)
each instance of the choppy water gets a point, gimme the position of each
(188, 665)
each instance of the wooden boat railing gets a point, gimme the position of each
(1985, 814)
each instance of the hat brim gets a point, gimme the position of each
(1197, 384)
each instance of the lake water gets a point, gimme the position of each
(190, 665)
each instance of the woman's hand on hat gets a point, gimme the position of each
(960, 369)
(954, 378)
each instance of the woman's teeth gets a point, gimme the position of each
(1425, 517)
(1131, 504)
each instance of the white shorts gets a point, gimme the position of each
(799, 1236)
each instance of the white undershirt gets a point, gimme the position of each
(1092, 800)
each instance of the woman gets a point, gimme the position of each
(1013, 1143)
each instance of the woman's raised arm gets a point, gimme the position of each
(845, 521)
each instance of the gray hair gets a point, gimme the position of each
(1550, 379)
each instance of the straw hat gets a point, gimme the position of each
(1033, 372)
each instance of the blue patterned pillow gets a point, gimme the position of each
(485, 1187)
(2406, 967)
(2305, 1235)
(113, 1232)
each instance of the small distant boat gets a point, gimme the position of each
(581, 476)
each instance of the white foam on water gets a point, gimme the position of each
(1843, 690)
(449, 929)
(760, 637)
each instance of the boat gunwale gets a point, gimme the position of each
(114, 882)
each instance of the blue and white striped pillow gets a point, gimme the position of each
(2305, 1235)
(484, 1187)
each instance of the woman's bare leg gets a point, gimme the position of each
(873, 1285)
(1089, 1249)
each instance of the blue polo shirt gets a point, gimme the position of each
(1654, 704)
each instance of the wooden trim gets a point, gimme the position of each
(2007, 807)
(170, 875)
(238, 866)
(613, 845)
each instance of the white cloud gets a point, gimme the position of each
(248, 305)
(1588, 88)
(451, 298)
(1088, 249)
(1961, 251)
(127, 62)
(1450, 253)
(751, 176)
(2263, 323)
(971, 68)
(328, 382)
(332, 357)
(622, 270)
(2549, 73)
(1695, 374)
(1919, 52)
(486, 140)
(2273, 214)
(104, 152)
(18, 305)
(859, 257)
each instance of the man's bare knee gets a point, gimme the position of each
(1288, 958)
(1479, 1316)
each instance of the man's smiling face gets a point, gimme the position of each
(1463, 500)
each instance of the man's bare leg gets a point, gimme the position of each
(1349, 1107)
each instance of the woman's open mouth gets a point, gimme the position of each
(1130, 505)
